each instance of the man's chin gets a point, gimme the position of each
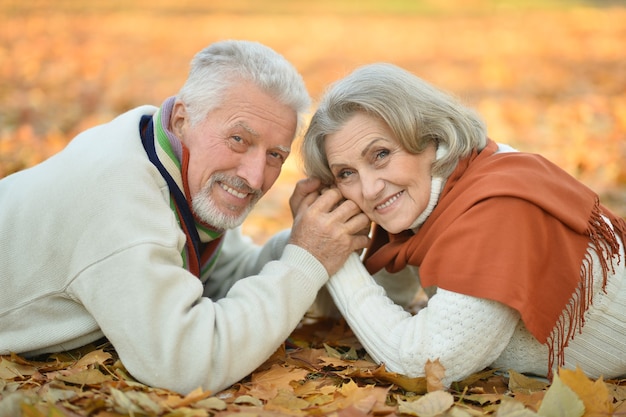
(225, 220)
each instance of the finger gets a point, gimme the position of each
(346, 209)
(328, 200)
(308, 185)
(304, 192)
(360, 242)
(358, 225)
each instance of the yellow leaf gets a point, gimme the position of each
(279, 376)
(286, 400)
(212, 403)
(561, 401)
(86, 377)
(94, 357)
(29, 410)
(248, 399)
(512, 408)
(594, 395)
(430, 405)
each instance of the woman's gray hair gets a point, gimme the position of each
(222, 64)
(416, 112)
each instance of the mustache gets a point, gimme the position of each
(237, 183)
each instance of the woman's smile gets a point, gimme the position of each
(389, 201)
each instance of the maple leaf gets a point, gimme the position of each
(594, 394)
(561, 401)
(266, 384)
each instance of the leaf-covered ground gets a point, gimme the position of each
(320, 370)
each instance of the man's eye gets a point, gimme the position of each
(277, 156)
(237, 138)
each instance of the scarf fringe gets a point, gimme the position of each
(604, 242)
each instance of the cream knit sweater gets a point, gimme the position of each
(468, 334)
(89, 247)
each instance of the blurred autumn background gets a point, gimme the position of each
(548, 76)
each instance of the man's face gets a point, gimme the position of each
(236, 153)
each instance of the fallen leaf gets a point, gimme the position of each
(286, 401)
(212, 403)
(10, 370)
(96, 357)
(594, 394)
(522, 383)
(85, 377)
(248, 399)
(561, 401)
(511, 408)
(429, 405)
(435, 372)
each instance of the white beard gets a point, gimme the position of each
(205, 208)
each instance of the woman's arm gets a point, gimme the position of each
(465, 333)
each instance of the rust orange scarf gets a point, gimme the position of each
(514, 228)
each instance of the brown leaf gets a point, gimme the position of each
(435, 372)
(286, 401)
(11, 370)
(522, 383)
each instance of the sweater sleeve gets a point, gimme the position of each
(240, 257)
(168, 335)
(465, 333)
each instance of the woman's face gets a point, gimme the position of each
(390, 185)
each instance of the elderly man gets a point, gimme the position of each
(131, 232)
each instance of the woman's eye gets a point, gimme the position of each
(381, 154)
(342, 175)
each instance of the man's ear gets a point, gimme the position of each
(178, 118)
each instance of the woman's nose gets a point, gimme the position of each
(371, 186)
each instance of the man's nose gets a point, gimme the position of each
(252, 168)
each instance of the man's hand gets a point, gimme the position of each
(307, 190)
(327, 226)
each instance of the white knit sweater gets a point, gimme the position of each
(89, 246)
(468, 334)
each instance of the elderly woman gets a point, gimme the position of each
(527, 265)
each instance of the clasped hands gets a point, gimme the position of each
(327, 225)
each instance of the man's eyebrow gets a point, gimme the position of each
(247, 128)
(253, 132)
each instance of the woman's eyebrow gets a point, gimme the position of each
(369, 146)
